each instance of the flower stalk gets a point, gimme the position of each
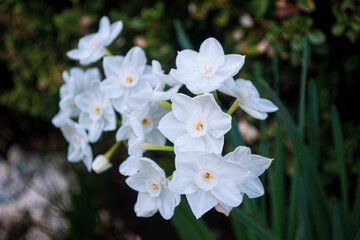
(111, 151)
(153, 147)
(165, 104)
(233, 107)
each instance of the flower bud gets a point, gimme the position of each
(101, 164)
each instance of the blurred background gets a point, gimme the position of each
(42, 196)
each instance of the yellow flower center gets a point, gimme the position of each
(73, 104)
(207, 70)
(144, 122)
(199, 126)
(129, 79)
(155, 186)
(96, 110)
(207, 176)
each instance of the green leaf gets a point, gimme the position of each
(181, 36)
(304, 68)
(338, 29)
(356, 208)
(252, 223)
(259, 7)
(342, 226)
(235, 134)
(187, 225)
(313, 122)
(316, 37)
(339, 147)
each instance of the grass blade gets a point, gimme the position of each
(339, 146)
(342, 226)
(240, 231)
(313, 122)
(301, 114)
(187, 225)
(356, 208)
(181, 36)
(317, 197)
(252, 223)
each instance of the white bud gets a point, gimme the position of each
(101, 164)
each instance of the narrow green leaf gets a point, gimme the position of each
(277, 171)
(318, 199)
(251, 222)
(313, 122)
(240, 231)
(181, 35)
(339, 146)
(342, 227)
(356, 208)
(301, 115)
(187, 225)
(303, 211)
(235, 134)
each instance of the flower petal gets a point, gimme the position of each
(200, 202)
(211, 49)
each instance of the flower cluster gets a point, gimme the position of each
(151, 110)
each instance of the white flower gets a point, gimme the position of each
(207, 179)
(256, 165)
(79, 148)
(141, 126)
(249, 96)
(154, 195)
(96, 114)
(76, 81)
(195, 124)
(150, 94)
(101, 164)
(92, 47)
(130, 166)
(125, 77)
(206, 70)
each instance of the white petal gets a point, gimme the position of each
(258, 164)
(254, 113)
(228, 193)
(233, 172)
(200, 202)
(85, 120)
(104, 26)
(130, 166)
(145, 202)
(240, 155)
(123, 133)
(74, 154)
(135, 59)
(186, 61)
(95, 130)
(233, 64)
(167, 203)
(112, 65)
(183, 182)
(228, 87)
(115, 30)
(252, 187)
(184, 107)
(112, 87)
(212, 144)
(171, 128)
(264, 105)
(211, 49)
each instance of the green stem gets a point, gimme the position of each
(165, 104)
(215, 95)
(170, 177)
(148, 146)
(108, 52)
(111, 151)
(233, 106)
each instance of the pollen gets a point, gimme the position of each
(145, 121)
(73, 104)
(155, 186)
(207, 176)
(129, 79)
(96, 110)
(207, 70)
(199, 126)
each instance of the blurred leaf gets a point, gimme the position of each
(342, 227)
(187, 225)
(251, 222)
(313, 122)
(306, 5)
(339, 147)
(182, 37)
(304, 70)
(258, 7)
(338, 29)
(316, 37)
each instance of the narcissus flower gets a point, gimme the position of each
(101, 163)
(206, 70)
(195, 124)
(92, 47)
(206, 179)
(125, 77)
(249, 96)
(256, 165)
(79, 148)
(97, 114)
(76, 81)
(154, 194)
